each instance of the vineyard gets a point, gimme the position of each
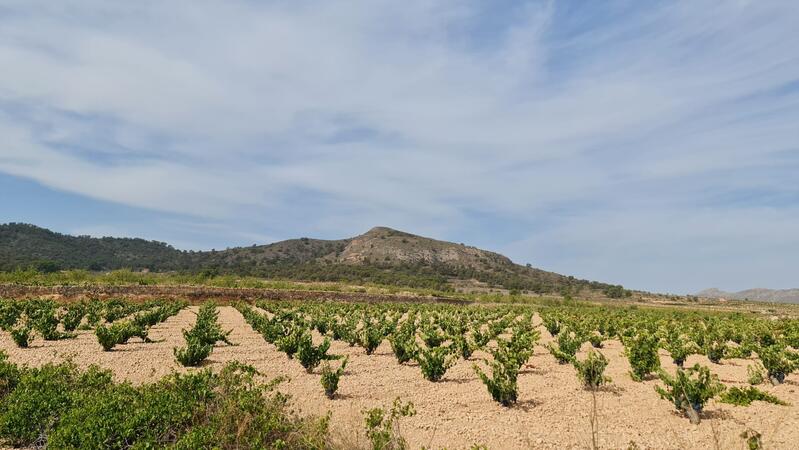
(386, 375)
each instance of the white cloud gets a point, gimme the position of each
(296, 118)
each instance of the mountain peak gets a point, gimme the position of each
(384, 231)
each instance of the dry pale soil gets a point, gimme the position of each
(552, 413)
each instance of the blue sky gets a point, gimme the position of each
(652, 144)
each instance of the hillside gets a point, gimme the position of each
(763, 295)
(381, 255)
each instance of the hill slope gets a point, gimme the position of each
(763, 295)
(381, 255)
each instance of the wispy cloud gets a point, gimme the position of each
(649, 144)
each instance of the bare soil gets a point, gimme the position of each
(552, 413)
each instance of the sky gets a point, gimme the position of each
(651, 144)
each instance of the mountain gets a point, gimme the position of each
(381, 255)
(763, 295)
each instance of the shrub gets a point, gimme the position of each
(73, 316)
(591, 371)
(463, 346)
(755, 374)
(504, 372)
(290, 342)
(434, 362)
(119, 333)
(330, 378)
(595, 340)
(309, 355)
(22, 336)
(193, 353)
(107, 337)
(9, 375)
(552, 325)
(10, 312)
(480, 338)
(679, 349)
(690, 389)
(197, 410)
(206, 329)
(715, 348)
(745, 397)
(568, 344)
(753, 439)
(642, 352)
(776, 362)
(42, 395)
(403, 346)
(432, 337)
(371, 337)
(47, 325)
(383, 430)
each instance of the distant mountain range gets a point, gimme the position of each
(381, 255)
(763, 295)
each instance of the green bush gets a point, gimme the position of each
(690, 389)
(568, 345)
(10, 312)
(383, 430)
(107, 337)
(66, 408)
(193, 353)
(119, 333)
(206, 329)
(463, 346)
(309, 355)
(9, 375)
(41, 396)
(744, 397)
(642, 353)
(679, 349)
(290, 342)
(371, 337)
(595, 340)
(502, 384)
(591, 371)
(755, 374)
(552, 325)
(434, 362)
(403, 346)
(777, 363)
(715, 349)
(72, 318)
(22, 336)
(432, 337)
(330, 378)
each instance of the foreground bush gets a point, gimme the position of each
(690, 389)
(383, 429)
(62, 407)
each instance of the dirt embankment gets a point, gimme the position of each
(201, 293)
